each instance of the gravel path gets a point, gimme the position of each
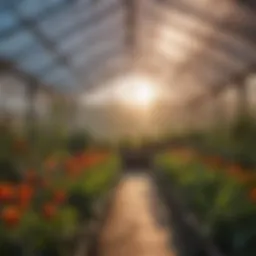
(135, 224)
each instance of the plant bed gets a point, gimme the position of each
(185, 229)
(222, 196)
(42, 213)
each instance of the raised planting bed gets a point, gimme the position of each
(42, 213)
(220, 194)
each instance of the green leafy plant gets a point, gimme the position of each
(223, 203)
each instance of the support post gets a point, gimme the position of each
(242, 99)
(219, 111)
(31, 94)
(131, 26)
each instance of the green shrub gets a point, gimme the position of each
(78, 142)
(221, 203)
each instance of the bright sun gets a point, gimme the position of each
(143, 94)
(137, 91)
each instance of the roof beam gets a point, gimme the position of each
(206, 43)
(221, 33)
(96, 59)
(226, 28)
(200, 39)
(92, 20)
(100, 60)
(95, 37)
(232, 30)
(131, 25)
(61, 59)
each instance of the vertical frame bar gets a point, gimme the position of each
(31, 94)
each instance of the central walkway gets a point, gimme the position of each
(133, 227)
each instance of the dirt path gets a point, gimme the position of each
(132, 228)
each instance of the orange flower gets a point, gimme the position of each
(49, 210)
(7, 192)
(92, 158)
(214, 161)
(69, 163)
(60, 196)
(87, 160)
(11, 216)
(234, 170)
(73, 166)
(239, 173)
(253, 195)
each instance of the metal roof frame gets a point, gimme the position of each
(32, 25)
(215, 51)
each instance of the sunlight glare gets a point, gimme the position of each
(138, 91)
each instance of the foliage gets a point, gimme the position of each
(39, 216)
(47, 188)
(78, 142)
(236, 141)
(223, 196)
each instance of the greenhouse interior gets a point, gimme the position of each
(127, 127)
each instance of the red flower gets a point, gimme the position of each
(60, 196)
(73, 166)
(239, 173)
(92, 158)
(7, 192)
(11, 216)
(49, 210)
(253, 195)
(234, 170)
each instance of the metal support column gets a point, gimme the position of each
(131, 27)
(218, 110)
(31, 95)
(242, 99)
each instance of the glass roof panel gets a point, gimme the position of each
(91, 35)
(36, 60)
(31, 8)
(58, 43)
(56, 74)
(107, 59)
(63, 82)
(67, 20)
(95, 52)
(7, 20)
(89, 43)
(16, 42)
